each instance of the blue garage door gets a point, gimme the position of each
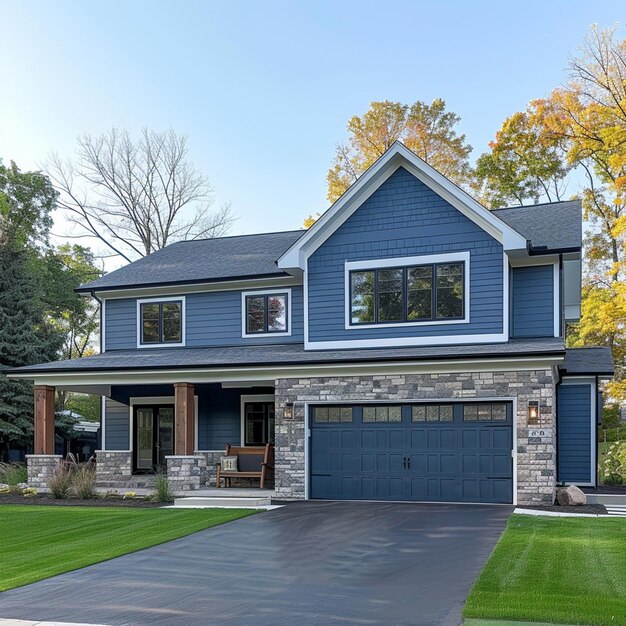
(447, 452)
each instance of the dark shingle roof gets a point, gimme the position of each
(552, 226)
(203, 260)
(597, 361)
(287, 354)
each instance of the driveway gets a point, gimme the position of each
(305, 563)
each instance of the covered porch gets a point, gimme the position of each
(180, 429)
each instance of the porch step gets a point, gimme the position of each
(616, 510)
(222, 502)
(608, 499)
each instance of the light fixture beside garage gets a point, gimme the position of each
(533, 412)
(288, 413)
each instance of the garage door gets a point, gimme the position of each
(447, 452)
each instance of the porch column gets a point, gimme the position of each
(184, 419)
(44, 419)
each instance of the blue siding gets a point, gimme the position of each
(219, 413)
(574, 436)
(532, 301)
(116, 426)
(212, 318)
(404, 218)
(121, 324)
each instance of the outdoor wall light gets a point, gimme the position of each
(533, 412)
(289, 411)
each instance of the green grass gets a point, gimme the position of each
(42, 541)
(556, 570)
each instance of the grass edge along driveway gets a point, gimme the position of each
(43, 541)
(557, 570)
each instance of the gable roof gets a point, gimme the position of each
(553, 226)
(202, 260)
(398, 156)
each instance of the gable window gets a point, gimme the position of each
(408, 294)
(161, 322)
(266, 313)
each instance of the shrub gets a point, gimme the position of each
(613, 467)
(13, 474)
(29, 492)
(162, 490)
(83, 478)
(60, 484)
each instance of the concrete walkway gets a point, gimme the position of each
(305, 563)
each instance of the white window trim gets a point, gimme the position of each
(265, 292)
(139, 400)
(591, 381)
(183, 320)
(428, 259)
(266, 397)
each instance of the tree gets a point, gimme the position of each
(136, 196)
(426, 129)
(526, 163)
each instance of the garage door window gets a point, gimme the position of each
(484, 412)
(432, 413)
(382, 414)
(333, 414)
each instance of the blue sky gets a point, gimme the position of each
(264, 89)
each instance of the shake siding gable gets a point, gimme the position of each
(404, 218)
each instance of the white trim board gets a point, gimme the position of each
(398, 156)
(407, 261)
(265, 292)
(183, 322)
(263, 397)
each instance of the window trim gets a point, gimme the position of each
(265, 292)
(183, 322)
(404, 262)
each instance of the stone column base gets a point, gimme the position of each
(208, 472)
(114, 468)
(41, 468)
(184, 472)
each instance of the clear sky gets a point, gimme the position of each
(264, 89)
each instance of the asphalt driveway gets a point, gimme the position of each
(305, 563)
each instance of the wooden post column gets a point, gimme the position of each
(44, 419)
(184, 419)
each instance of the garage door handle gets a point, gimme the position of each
(404, 462)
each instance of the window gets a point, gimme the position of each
(407, 294)
(266, 313)
(258, 423)
(330, 414)
(382, 414)
(484, 412)
(161, 322)
(432, 413)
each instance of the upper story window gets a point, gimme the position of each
(417, 293)
(266, 313)
(160, 322)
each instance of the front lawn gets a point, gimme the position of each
(42, 541)
(559, 570)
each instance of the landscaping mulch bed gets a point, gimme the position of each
(47, 500)
(588, 509)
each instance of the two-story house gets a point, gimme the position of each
(408, 346)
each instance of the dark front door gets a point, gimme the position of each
(154, 437)
(444, 452)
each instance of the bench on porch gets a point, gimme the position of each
(252, 462)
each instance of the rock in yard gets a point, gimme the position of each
(570, 496)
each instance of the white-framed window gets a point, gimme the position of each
(161, 322)
(266, 313)
(429, 289)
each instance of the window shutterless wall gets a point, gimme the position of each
(211, 319)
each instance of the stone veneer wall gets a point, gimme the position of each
(114, 468)
(41, 468)
(536, 457)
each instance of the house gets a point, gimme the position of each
(408, 346)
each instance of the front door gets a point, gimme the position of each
(154, 437)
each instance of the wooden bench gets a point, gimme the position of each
(252, 462)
